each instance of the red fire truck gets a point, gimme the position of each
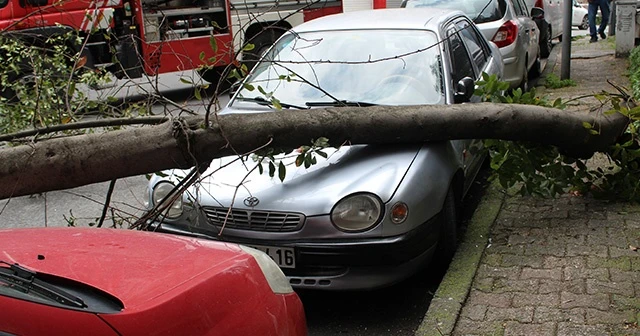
(135, 37)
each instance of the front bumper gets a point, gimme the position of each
(346, 264)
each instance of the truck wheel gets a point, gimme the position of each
(215, 76)
(545, 41)
(261, 44)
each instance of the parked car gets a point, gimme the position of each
(550, 24)
(366, 216)
(580, 17)
(509, 25)
(73, 281)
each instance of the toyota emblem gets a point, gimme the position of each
(251, 201)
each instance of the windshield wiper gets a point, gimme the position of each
(25, 280)
(340, 103)
(262, 101)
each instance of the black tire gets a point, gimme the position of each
(585, 23)
(536, 69)
(261, 44)
(545, 41)
(524, 84)
(448, 241)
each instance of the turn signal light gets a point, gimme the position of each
(399, 213)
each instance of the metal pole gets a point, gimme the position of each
(612, 21)
(565, 66)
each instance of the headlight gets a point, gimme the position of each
(357, 212)
(160, 191)
(276, 279)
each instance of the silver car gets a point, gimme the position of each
(362, 216)
(509, 24)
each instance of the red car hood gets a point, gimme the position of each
(133, 266)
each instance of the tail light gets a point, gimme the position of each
(539, 4)
(506, 34)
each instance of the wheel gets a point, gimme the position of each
(536, 69)
(448, 240)
(545, 41)
(585, 23)
(524, 84)
(261, 44)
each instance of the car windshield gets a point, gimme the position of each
(350, 67)
(479, 11)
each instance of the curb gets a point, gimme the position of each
(443, 312)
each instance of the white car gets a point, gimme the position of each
(551, 26)
(507, 23)
(580, 17)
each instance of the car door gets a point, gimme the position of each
(470, 55)
(528, 34)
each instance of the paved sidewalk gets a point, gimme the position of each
(565, 266)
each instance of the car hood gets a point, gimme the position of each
(136, 267)
(313, 190)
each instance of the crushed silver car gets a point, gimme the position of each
(363, 216)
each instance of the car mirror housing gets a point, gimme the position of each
(464, 90)
(537, 13)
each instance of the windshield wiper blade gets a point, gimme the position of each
(340, 103)
(262, 101)
(25, 280)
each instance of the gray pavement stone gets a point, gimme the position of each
(538, 329)
(568, 266)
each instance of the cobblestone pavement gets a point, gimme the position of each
(566, 266)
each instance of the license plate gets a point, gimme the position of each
(285, 257)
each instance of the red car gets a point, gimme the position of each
(71, 281)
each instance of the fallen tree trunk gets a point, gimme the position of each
(74, 161)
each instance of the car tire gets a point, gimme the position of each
(536, 69)
(448, 240)
(524, 84)
(261, 44)
(545, 41)
(585, 23)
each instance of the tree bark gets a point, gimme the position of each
(74, 161)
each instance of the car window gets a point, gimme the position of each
(517, 7)
(386, 67)
(525, 8)
(477, 10)
(461, 64)
(477, 47)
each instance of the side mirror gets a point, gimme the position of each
(464, 90)
(537, 13)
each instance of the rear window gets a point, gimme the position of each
(3, 3)
(478, 10)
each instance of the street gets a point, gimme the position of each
(397, 310)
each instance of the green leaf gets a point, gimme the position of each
(202, 56)
(321, 153)
(586, 125)
(282, 171)
(248, 47)
(276, 103)
(213, 43)
(185, 81)
(197, 94)
(272, 169)
(260, 168)
(249, 86)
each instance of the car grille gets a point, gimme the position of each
(267, 221)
